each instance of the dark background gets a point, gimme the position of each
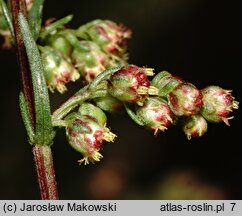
(198, 40)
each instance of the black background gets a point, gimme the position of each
(198, 40)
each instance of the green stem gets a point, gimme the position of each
(73, 102)
(88, 92)
(70, 104)
(59, 123)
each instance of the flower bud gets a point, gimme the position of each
(109, 104)
(110, 36)
(165, 82)
(90, 63)
(156, 114)
(58, 42)
(94, 112)
(194, 126)
(218, 103)
(57, 69)
(130, 84)
(185, 100)
(87, 136)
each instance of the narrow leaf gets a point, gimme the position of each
(7, 16)
(35, 17)
(103, 76)
(26, 117)
(133, 116)
(55, 25)
(43, 128)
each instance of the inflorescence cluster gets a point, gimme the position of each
(93, 48)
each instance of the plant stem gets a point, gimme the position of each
(69, 105)
(45, 170)
(42, 154)
(88, 92)
(16, 7)
(81, 96)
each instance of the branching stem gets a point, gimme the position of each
(42, 153)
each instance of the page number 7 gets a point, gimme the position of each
(233, 205)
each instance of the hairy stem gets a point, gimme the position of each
(45, 170)
(42, 154)
(69, 105)
(16, 7)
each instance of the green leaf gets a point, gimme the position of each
(132, 115)
(55, 25)
(43, 129)
(103, 76)
(26, 118)
(35, 17)
(8, 17)
(155, 81)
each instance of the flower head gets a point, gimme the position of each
(156, 114)
(91, 62)
(194, 126)
(110, 36)
(185, 100)
(59, 42)
(130, 84)
(58, 70)
(86, 136)
(218, 103)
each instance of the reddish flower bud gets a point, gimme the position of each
(131, 84)
(110, 36)
(86, 136)
(57, 69)
(165, 82)
(185, 100)
(194, 126)
(218, 103)
(156, 114)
